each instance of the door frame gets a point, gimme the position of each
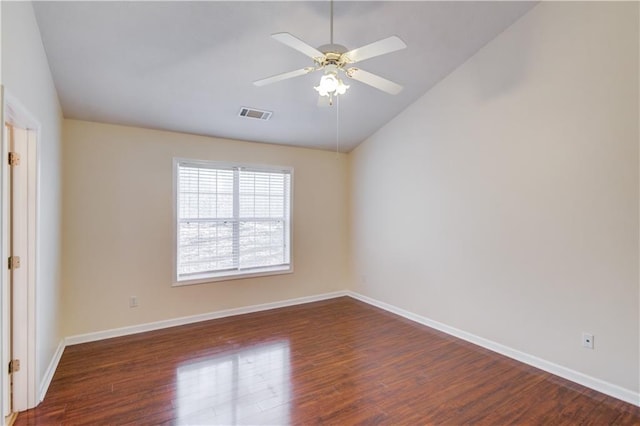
(15, 114)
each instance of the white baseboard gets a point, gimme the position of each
(124, 331)
(51, 370)
(550, 367)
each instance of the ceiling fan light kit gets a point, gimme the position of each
(330, 84)
(333, 58)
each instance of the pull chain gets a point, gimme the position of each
(337, 126)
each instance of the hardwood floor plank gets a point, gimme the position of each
(333, 362)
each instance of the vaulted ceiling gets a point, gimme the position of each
(189, 66)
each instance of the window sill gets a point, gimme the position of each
(232, 275)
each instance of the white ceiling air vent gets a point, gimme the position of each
(255, 113)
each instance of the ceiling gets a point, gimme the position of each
(189, 66)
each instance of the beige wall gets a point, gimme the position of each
(504, 202)
(26, 77)
(118, 226)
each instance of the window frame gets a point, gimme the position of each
(233, 274)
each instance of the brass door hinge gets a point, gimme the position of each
(14, 365)
(14, 159)
(14, 262)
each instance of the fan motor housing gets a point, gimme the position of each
(332, 48)
(332, 55)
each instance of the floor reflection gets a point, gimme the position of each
(235, 387)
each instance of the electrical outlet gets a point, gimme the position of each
(587, 340)
(133, 302)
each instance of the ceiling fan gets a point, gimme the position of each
(334, 60)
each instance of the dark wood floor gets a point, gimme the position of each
(333, 362)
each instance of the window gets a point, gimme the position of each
(232, 221)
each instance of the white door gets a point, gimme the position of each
(19, 269)
(18, 231)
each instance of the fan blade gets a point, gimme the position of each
(377, 48)
(283, 76)
(374, 81)
(323, 101)
(295, 43)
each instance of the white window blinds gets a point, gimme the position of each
(231, 220)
